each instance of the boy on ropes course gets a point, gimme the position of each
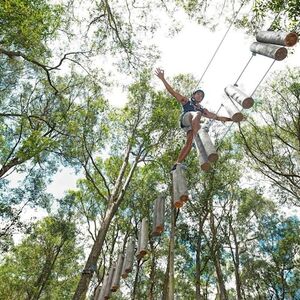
(190, 118)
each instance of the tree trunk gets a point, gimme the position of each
(216, 258)
(166, 280)
(14, 162)
(115, 201)
(198, 269)
(91, 263)
(171, 256)
(168, 292)
(236, 261)
(136, 280)
(152, 273)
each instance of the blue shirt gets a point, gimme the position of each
(190, 106)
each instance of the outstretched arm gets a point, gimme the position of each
(214, 116)
(161, 75)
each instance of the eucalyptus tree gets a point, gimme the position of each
(273, 272)
(272, 143)
(137, 132)
(45, 263)
(252, 15)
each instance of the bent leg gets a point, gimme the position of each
(195, 122)
(186, 148)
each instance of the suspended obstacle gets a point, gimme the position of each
(271, 43)
(239, 96)
(117, 274)
(129, 257)
(270, 50)
(288, 39)
(143, 239)
(206, 150)
(180, 191)
(159, 216)
(107, 291)
(233, 110)
(202, 155)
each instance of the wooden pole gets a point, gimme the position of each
(159, 216)
(273, 51)
(233, 111)
(182, 185)
(288, 39)
(109, 282)
(129, 256)
(209, 147)
(202, 156)
(176, 198)
(239, 96)
(117, 275)
(144, 236)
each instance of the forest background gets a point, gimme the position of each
(63, 65)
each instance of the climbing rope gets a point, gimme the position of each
(228, 129)
(221, 42)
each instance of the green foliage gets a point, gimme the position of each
(277, 248)
(285, 16)
(28, 25)
(272, 143)
(44, 265)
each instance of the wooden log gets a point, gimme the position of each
(103, 288)
(138, 254)
(117, 275)
(107, 292)
(176, 196)
(239, 96)
(288, 39)
(233, 111)
(144, 237)
(202, 156)
(159, 216)
(273, 51)
(209, 147)
(129, 256)
(182, 185)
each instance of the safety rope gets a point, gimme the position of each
(221, 42)
(228, 129)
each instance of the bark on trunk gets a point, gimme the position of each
(171, 257)
(216, 258)
(115, 201)
(198, 270)
(14, 162)
(45, 274)
(236, 261)
(152, 273)
(136, 280)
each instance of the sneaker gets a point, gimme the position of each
(184, 167)
(174, 167)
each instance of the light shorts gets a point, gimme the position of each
(185, 120)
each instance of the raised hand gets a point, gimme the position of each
(160, 73)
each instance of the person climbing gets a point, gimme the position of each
(191, 116)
